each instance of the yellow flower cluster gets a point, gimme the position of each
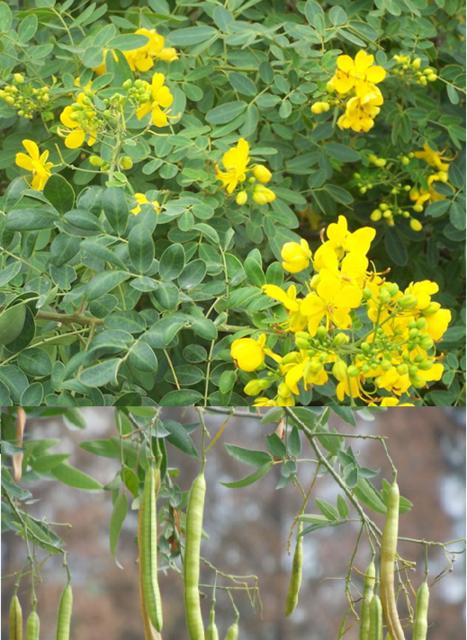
(236, 170)
(35, 162)
(352, 327)
(81, 121)
(412, 70)
(143, 58)
(154, 98)
(356, 80)
(419, 195)
(24, 98)
(141, 199)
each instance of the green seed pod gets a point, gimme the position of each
(388, 559)
(148, 551)
(64, 614)
(368, 589)
(194, 528)
(33, 626)
(296, 574)
(211, 632)
(420, 626)
(232, 632)
(376, 619)
(16, 619)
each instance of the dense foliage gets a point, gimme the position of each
(158, 156)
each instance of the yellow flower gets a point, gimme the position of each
(288, 299)
(36, 163)
(248, 353)
(295, 256)
(328, 305)
(142, 59)
(433, 158)
(422, 292)
(263, 195)
(344, 241)
(356, 73)
(161, 98)
(80, 120)
(235, 162)
(361, 110)
(142, 199)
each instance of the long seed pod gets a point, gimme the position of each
(16, 619)
(368, 590)
(296, 574)
(148, 551)
(388, 559)
(194, 529)
(33, 626)
(211, 632)
(420, 627)
(149, 632)
(64, 614)
(376, 619)
(17, 460)
(232, 632)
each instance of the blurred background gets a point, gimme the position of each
(248, 530)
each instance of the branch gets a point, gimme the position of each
(325, 462)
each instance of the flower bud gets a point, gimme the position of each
(262, 173)
(241, 198)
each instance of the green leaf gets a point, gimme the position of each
(6, 17)
(180, 438)
(342, 152)
(327, 510)
(248, 456)
(119, 512)
(59, 193)
(367, 494)
(101, 374)
(181, 398)
(105, 447)
(141, 248)
(115, 205)
(342, 507)
(76, 478)
(45, 463)
(254, 271)
(192, 275)
(142, 357)
(242, 83)
(223, 113)
(30, 219)
(172, 262)
(104, 282)
(189, 36)
(33, 395)
(395, 247)
(12, 323)
(276, 446)
(252, 478)
(27, 28)
(128, 41)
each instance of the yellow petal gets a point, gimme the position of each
(32, 148)
(24, 161)
(74, 139)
